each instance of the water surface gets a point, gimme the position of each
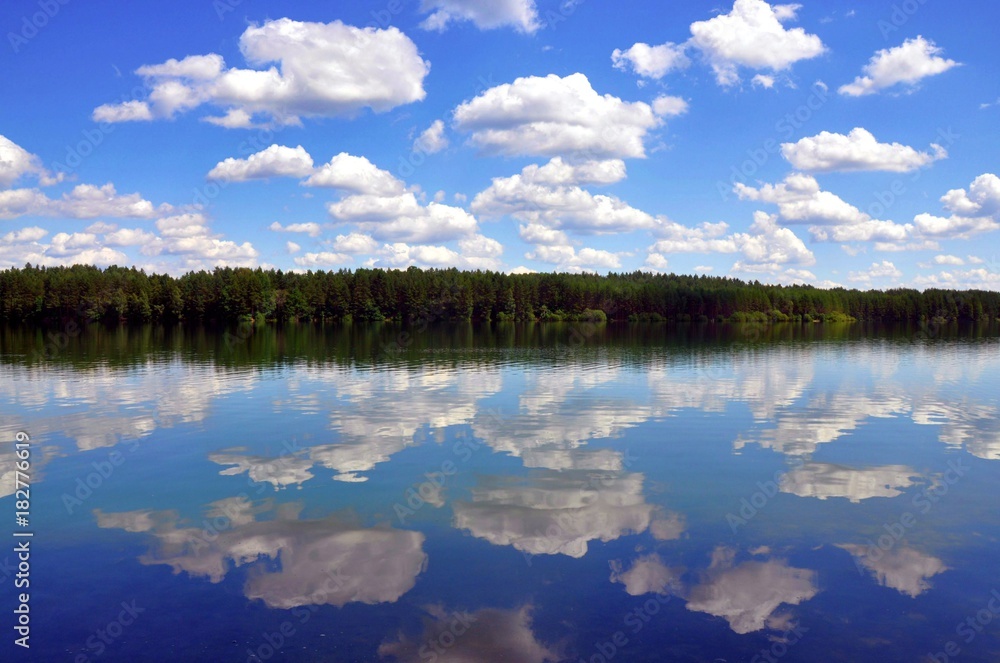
(543, 493)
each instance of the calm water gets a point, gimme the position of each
(525, 494)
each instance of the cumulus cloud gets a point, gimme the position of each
(976, 210)
(188, 237)
(568, 259)
(16, 162)
(907, 64)
(314, 70)
(84, 201)
(275, 161)
(549, 198)
(651, 61)
(356, 175)
(801, 200)
(432, 140)
(858, 150)
(766, 247)
(752, 36)
(647, 575)
(878, 270)
(669, 106)
(555, 116)
(484, 14)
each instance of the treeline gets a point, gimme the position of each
(40, 294)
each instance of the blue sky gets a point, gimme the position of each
(824, 143)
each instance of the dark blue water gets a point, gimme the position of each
(483, 501)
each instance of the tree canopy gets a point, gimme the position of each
(38, 294)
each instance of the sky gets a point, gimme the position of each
(827, 143)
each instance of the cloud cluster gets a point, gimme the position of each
(313, 70)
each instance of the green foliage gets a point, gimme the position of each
(419, 297)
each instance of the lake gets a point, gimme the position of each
(557, 492)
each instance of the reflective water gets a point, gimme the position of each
(556, 493)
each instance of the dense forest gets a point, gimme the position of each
(40, 294)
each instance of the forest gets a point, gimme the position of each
(120, 294)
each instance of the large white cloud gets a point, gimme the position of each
(904, 569)
(275, 161)
(485, 14)
(906, 64)
(314, 70)
(752, 35)
(858, 150)
(553, 116)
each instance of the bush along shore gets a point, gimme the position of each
(45, 294)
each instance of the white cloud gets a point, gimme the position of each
(908, 64)
(974, 211)
(554, 116)
(275, 161)
(355, 243)
(16, 162)
(752, 35)
(668, 106)
(800, 200)
(310, 228)
(127, 111)
(316, 70)
(485, 14)
(475, 252)
(882, 270)
(548, 197)
(764, 81)
(32, 234)
(356, 175)
(657, 261)
(648, 574)
(765, 248)
(292, 247)
(403, 218)
(323, 259)
(858, 150)
(948, 260)
(129, 237)
(85, 201)
(651, 61)
(567, 258)
(432, 140)
(188, 237)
